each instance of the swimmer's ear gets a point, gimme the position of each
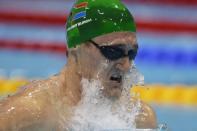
(86, 45)
(73, 53)
(76, 52)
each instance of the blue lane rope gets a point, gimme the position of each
(165, 56)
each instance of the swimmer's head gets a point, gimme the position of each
(107, 58)
(105, 31)
(91, 18)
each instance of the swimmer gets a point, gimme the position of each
(101, 36)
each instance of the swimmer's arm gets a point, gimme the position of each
(23, 110)
(146, 118)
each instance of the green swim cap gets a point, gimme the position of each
(92, 18)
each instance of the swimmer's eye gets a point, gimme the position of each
(115, 52)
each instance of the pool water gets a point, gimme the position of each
(164, 57)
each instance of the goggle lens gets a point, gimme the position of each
(115, 52)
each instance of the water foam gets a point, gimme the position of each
(98, 113)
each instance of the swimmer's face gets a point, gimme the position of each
(109, 59)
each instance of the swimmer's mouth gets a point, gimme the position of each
(117, 78)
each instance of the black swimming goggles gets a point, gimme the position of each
(115, 52)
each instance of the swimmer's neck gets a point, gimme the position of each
(71, 80)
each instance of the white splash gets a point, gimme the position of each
(98, 113)
(133, 77)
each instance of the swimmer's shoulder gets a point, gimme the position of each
(146, 117)
(49, 86)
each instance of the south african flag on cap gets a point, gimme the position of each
(82, 13)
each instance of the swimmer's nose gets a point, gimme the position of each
(124, 64)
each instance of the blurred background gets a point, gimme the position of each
(33, 46)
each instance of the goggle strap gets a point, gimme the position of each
(94, 43)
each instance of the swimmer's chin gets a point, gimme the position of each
(113, 91)
(116, 93)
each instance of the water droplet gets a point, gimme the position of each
(163, 127)
(104, 21)
(101, 13)
(116, 6)
(30, 94)
(12, 108)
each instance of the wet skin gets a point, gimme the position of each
(41, 105)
